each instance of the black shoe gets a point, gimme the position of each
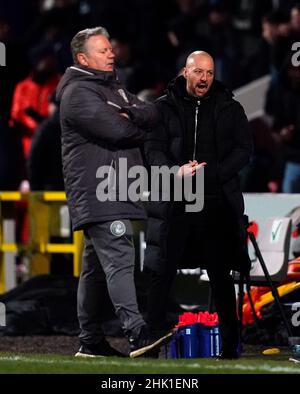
(146, 343)
(228, 355)
(102, 349)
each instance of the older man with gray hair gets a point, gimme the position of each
(103, 123)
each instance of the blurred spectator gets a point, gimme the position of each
(19, 15)
(44, 162)
(295, 19)
(189, 28)
(14, 70)
(247, 16)
(283, 104)
(264, 172)
(31, 96)
(57, 23)
(247, 38)
(222, 42)
(134, 74)
(276, 32)
(130, 71)
(11, 158)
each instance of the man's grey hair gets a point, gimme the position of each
(79, 40)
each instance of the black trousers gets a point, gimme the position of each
(207, 240)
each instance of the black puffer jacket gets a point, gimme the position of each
(94, 134)
(165, 146)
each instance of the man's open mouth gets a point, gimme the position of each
(201, 85)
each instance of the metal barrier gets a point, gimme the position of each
(44, 222)
(252, 97)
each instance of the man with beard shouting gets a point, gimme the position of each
(201, 124)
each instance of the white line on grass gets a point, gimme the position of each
(221, 366)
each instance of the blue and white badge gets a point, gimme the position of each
(118, 228)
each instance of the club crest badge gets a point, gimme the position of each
(118, 228)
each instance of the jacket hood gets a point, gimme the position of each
(177, 88)
(78, 73)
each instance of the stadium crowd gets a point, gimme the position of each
(151, 39)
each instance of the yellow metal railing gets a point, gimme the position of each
(43, 210)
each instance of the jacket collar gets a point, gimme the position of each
(177, 89)
(108, 76)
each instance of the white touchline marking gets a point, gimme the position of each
(101, 362)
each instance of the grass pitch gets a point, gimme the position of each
(54, 364)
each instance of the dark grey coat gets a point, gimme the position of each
(94, 134)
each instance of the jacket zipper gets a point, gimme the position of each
(196, 125)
